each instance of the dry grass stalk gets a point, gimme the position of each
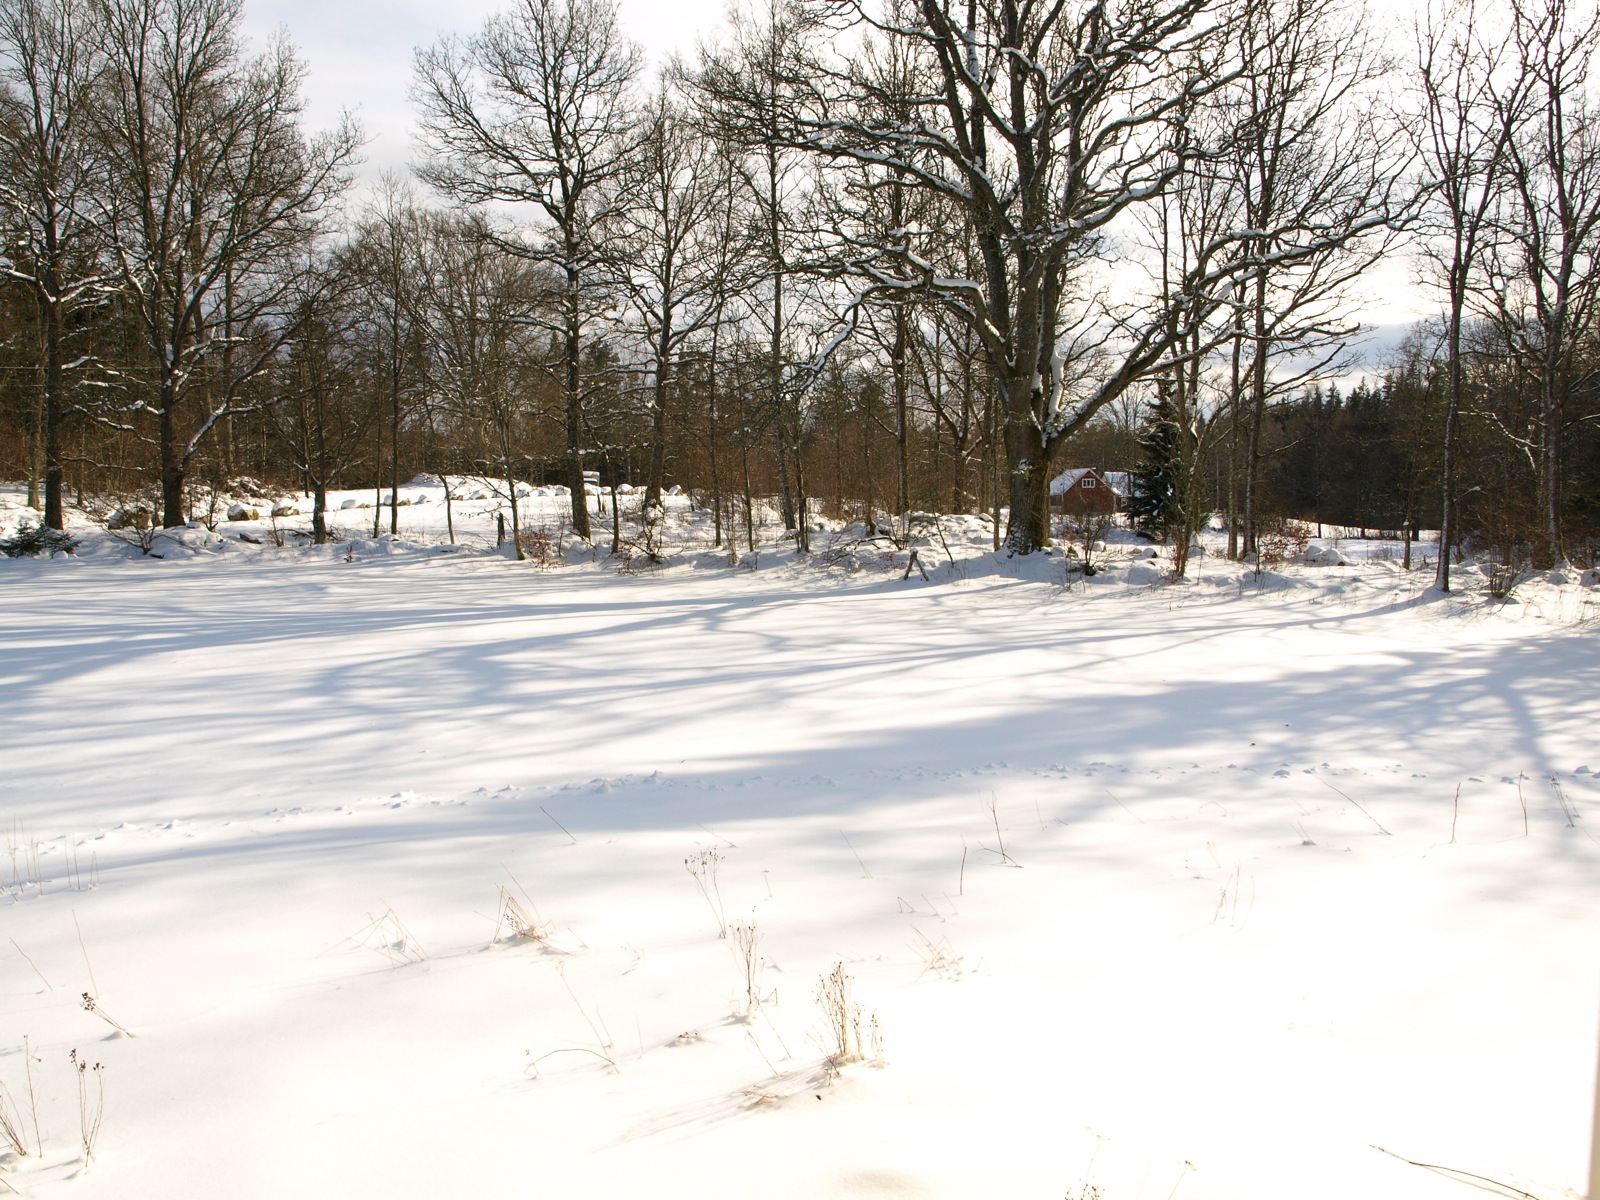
(91, 1104)
(89, 1004)
(520, 923)
(745, 941)
(702, 866)
(844, 1016)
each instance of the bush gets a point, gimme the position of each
(541, 547)
(31, 540)
(1279, 541)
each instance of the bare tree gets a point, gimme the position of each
(383, 253)
(1471, 100)
(749, 93)
(324, 400)
(474, 298)
(1544, 291)
(1041, 125)
(50, 64)
(674, 260)
(1190, 223)
(213, 190)
(536, 110)
(1309, 149)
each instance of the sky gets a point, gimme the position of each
(359, 54)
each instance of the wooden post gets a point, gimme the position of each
(1594, 1144)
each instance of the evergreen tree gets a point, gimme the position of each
(1153, 499)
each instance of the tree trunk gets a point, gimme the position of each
(803, 523)
(785, 496)
(54, 416)
(1551, 462)
(516, 516)
(377, 478)
(574, 401)
(901, 424)
(749, 501)
(171, 461)
(394, 431)
(658, 424)
(1258, 413)
(319, 513)
(1447, 485)
(36, 450)
(1029, 484)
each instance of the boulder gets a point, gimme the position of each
(1144, 575)
(1321, 555)
(243, 512)
(136, 517)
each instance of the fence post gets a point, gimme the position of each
(1594, 1142)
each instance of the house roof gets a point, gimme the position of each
(1117, 481)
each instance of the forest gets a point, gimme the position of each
(852, 259)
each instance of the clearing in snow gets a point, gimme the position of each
(375, 871)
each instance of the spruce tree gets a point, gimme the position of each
(1153, 499)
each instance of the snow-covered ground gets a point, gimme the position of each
(1233, 889)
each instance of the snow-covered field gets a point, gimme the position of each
(1297, 870)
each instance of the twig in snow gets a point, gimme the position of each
(865, 874)
(89, 1005)
(1455, 812)
(961, 880)
(1357, 803)
(1522, 801)
(1567, 810)
(33, 1100)
(1130, 811)
(11, 1124)
(533, 1063)
(1456, 1173)
(558, 824)
(602, 1040)
(992, 803)
(34, 965)
(92, 984)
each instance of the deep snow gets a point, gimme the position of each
(1250, 935)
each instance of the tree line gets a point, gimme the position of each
(863, 258)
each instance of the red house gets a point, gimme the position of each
(1086, 490)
